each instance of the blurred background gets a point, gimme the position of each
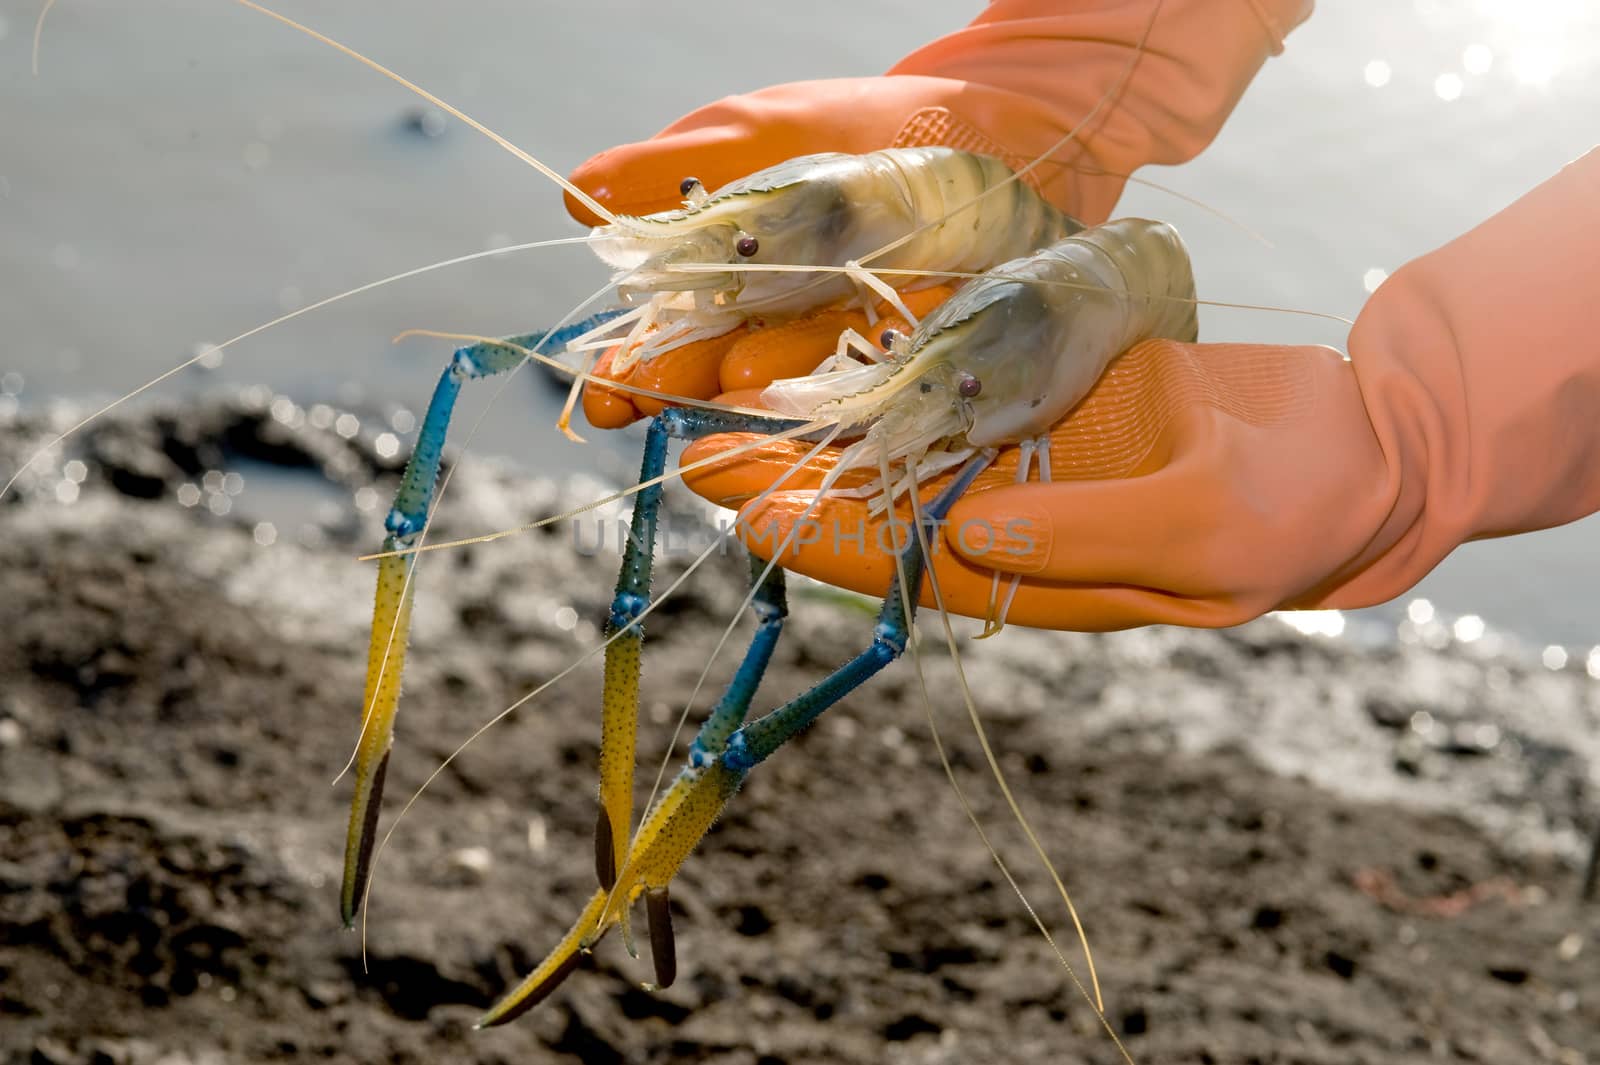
(179, 172)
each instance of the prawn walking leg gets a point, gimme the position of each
(995, 619)
(721, 757)
(391, 619)
(620, 711)
(771, 609)
(771, 606)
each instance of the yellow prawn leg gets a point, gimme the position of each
(674, 827)
(554, 969)
(619, 727)
(391, 621)
(619, 721)
(682, 816)
(391, 624)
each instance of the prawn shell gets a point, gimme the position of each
(938, 209)
(1035, 334)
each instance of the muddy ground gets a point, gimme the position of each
(1286, 848)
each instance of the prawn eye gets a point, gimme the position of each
(747, 246)
(888, 339)
(969, 386)
(688, 185)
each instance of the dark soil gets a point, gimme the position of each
(1286, 849)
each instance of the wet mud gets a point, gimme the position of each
(1285, 848)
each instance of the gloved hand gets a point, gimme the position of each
(1011, 84)
(1206, 484)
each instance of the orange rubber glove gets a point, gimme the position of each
(1011, 84)
(1207, 484)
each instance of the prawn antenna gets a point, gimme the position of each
(211, 350)
(996, 274)
(38, 33)
(1095, 1000)
(578, 194)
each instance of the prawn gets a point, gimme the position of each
(997, 364)
(918, 208)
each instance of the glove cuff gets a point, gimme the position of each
(1197, 58)
(1480, 372)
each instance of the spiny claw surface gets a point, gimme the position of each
(673, 828)
(536, 987)
(386, 655)
(619, 729)
(670, 832)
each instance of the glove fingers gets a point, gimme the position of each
(792, 349)
(717, 144)
(838, 543)
(748, 398)
(745, 474)
(1109, 608)
(689, 372)
(1146, 531)
(644, 178)
(606, 408)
